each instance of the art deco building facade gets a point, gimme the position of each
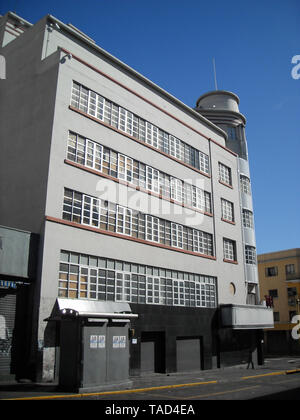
(142, 205)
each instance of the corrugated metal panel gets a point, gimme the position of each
(7, 325)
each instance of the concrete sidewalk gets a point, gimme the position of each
(272, 366)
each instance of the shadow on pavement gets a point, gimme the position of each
(289, 395)
(28, 387)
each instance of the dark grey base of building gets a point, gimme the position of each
(281, 343)
(180, 339)
(163, 339)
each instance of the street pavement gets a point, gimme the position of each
(277, 379)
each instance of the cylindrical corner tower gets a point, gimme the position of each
(222, 108)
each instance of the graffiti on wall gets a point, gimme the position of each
(5, 337)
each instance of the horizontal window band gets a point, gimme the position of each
(118, 235)
(146, 100)
(72, 108)
(133, 186)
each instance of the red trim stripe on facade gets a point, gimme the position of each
(129, 238)
(145, 100)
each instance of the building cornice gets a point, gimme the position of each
(137, 75)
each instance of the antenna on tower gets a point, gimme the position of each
(215, 74)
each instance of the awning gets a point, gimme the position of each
(120, 311)
(244, 317)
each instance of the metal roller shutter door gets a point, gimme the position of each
(188, 351)
(7, 325)
(147, 356)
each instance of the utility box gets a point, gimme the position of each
(94, 349)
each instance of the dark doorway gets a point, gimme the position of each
(153, 352)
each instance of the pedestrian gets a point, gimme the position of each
(250, 361)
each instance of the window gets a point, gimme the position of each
(203, 162)
(250, 254)
(176, 189)
(290, 269)
(151, 135)
(188, 238)
(89, 277)
(152, 228)
(79, 97)
(164, 185)
(163, 141)
(152, 179)
(201, 199)
(225, 174)
(116, 116)
(91, 211)
(229, 248)
(273, 293)
(292, 296)
(202, 242)
(93, 155)
(227, 210)
(248, 219)
(245, 184)
(72, 207)
(231, 131)
(271, 271)
(124, 220)
(177, 235)
(125, 168)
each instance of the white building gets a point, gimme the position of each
(137, 198)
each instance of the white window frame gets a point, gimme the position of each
(248, 221)
(125, 173)
(176, 189)
(90, 202)
(121, 288)
(229, 249)
(245, 184)
(225, 174)
(250, 255)
(152, 179)
(121, 222)
(176, 235)
(152, 225)
(227, 210)
(178, 284)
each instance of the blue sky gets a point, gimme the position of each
(173, 43)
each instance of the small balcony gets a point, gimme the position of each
(241, 317)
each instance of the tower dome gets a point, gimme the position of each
(221, 107)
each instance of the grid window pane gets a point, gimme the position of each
(245, 184)
(229, 249)
(225, 174)
(112, 114)
(248, 219)
(85, 280)
(250, 254)
(227, 210)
